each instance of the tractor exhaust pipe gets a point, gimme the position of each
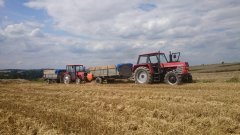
(170, 56)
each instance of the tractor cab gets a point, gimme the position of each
(74, 70)
(76, 73)
(152, 60)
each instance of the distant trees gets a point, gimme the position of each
(22, 74)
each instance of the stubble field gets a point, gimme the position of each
(203, 107)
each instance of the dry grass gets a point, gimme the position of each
(216, 73)
(216, 77)
(125, 108)
(213, 68)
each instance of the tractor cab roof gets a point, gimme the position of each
(74, 65)
(151, 54)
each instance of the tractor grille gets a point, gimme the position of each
(179, 70)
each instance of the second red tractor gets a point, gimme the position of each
(77, 74)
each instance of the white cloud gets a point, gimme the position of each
(122, 18)
(1, 3)
(117, 31)
(36, 33)
(36, 49)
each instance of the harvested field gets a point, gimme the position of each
(198, 108)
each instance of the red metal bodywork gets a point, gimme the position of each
(81, 75)
(143, 65)
(175, 65)
(78, 74)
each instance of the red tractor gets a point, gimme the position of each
(77, 74)
(155, 67)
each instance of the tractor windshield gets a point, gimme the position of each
(163, 58)
(70, 68)
(142, 59)
(153, 59)
(75, 68)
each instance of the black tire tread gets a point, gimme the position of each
(149, 80)
(99, 80)
(179, 79)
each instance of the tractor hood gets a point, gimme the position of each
(175, 64)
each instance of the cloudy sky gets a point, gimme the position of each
(53, 33)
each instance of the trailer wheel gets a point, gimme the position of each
(190, 80)
(99, 80)
(142, 75)
(78, 81)
(172, 78)
(48, 81)
(187, 78)
(66, 79)
(110, 80)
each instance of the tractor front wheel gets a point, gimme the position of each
(66, 79)
(78, 81)
(142, 75)
(172, 78)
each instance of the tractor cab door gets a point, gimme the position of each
(155, 63)
(80, 71)
(71, 69)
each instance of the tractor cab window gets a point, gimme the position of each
(70, 68)
(153, 59)
(142, 59)
(79, 68)
(163, 58)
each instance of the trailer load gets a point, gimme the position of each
(111, 72)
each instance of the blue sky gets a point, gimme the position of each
(51, 34)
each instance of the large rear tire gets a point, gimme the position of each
(66, 79)
(142, 75)
(172, 78)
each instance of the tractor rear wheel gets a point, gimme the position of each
(172, 78)
(66, 79)
(78, 81)
(142, 75)
(99, 80)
